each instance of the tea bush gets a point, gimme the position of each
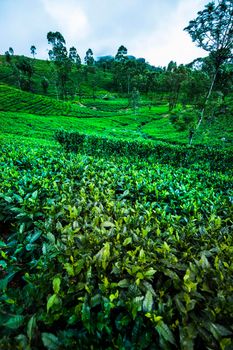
(15, 100)
(213, 158)
(101, 253)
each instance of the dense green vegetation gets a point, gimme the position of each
(15, 100)
(116, 198)
(215, 158)
(29, 115)
(113, 254)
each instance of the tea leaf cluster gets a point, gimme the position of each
(104, 253)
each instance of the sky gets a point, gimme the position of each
(152, 29)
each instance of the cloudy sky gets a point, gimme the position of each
(152, 29)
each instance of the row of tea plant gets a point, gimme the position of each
(106, 253)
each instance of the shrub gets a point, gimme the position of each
(213, 158)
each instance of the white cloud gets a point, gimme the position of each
(152, 29)
(69, 16)
(168, 41)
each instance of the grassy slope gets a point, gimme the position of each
(33, 116)
(15, 100)
(28, 115)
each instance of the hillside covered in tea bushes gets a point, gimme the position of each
(116, 200)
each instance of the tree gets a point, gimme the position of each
(173, 78)
(121, 54)
(212, 30)
(45, 85)
(135, 99)
(74, 56)
(172, 66)
(24, 65)
(11, 51)
(105, 62)
(56, 39)
(120, 75)
(8, 57)
(58, 52)
(62, 63)
(193, 88)
(224, 80)
(26, 71)
(33, 50)
(89, 60)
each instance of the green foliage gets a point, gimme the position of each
(108, 253)
(14, 100)
(212, 158)
(213, 28)
(47, 69)
(184, 119)
(127, 244)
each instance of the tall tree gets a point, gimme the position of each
(11, 51)
(212, 30)
(26, 71)
(135, 99)
(121, 54)
(8, 54)
(74, 56)
(63, 64)
(89, 59)
(33, 50)
(45, 84)
(56, 39)
(8, 57)
(58, 52)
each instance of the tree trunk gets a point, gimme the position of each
(206, 100)
(128, 84)
(204, 106)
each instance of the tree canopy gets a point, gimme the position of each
(212, 30)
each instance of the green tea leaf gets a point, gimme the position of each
(165, 332)
(188, 334)
(31, 326)
(69, 268)
(148, 302)
(150, 272)
(127, 241)
(218, 330)
(103, 255)
(78, 266)
(226, 344)
(2, 244)
(35, 236)
(23, 341)
(86, 315)
(51, 301)
(123, 283)
(14, 322)
(35, 195)
(56, 284)
(3, 264)
(108, 224)
(50, 341)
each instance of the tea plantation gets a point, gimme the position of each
(14, 100)
(113, 252)
(114, 233)
(116, 197)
